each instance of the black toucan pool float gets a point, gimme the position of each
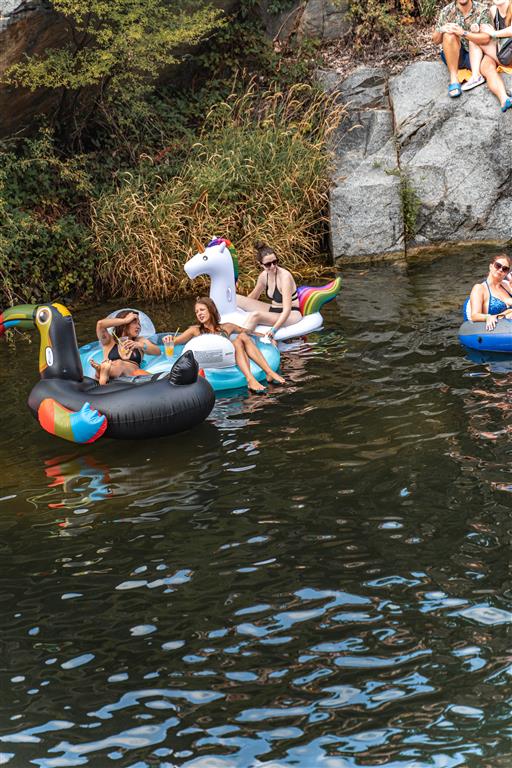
(78, 409)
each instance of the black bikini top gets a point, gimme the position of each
(135, 357)
(277, 296)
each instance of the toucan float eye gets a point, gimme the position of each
(43, 316)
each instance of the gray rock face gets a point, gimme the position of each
(324, 20)
(456, 155)
(365, 202)
(406, 136)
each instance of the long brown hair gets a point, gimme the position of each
(214, 314)
(122, 330)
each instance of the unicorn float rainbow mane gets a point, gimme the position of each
(219, 260)
(231, 248)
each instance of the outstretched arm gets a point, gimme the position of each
(233, 328)
(494, 33)
(182, 338)
(147, 346)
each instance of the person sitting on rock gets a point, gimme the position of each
(453, 31)
(497, 51)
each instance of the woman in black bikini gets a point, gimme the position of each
(279, 286)
(208, 320)
(121, 359)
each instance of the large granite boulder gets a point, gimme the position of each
(365, 202)
(415, 168)
(456, 155)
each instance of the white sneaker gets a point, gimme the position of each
(473, 83)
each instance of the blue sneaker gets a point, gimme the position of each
(507, 104)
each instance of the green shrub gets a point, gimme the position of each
(45, 247)
(258, 170)
(373, 20)
(378, 20)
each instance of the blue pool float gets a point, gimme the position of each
(214, 361)
(476, 336)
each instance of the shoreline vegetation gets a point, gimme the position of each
(111, 195)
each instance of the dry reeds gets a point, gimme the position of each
(258, 171)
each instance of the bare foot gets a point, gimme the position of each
(255, 386)
(105, 371)
(275, 378)
(96, 366)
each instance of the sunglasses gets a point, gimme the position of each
(269, 264)
(502, 267)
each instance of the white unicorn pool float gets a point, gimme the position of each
(220, 262)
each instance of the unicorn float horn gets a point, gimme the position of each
(197, 244)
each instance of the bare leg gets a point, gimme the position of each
(269, 318)
(105, 371)
(451, 48)
(96, 366)
(111, 369)
(253, 353)
(102, 370)
(243, 363)
(124, 368)
(494, 81)
(244, 302)
(476, 55)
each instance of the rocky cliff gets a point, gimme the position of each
(414, 168)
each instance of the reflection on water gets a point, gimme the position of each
(319, 576)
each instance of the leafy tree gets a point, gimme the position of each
(115, 50)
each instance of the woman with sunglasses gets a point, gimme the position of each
(208, 321)
(279, 286)
(492, 298)
(123, 348)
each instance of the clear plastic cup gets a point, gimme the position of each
(123, 352)
(169, 347)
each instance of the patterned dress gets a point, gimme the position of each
(479, 14)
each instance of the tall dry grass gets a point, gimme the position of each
(259, 170)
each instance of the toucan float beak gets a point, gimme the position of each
(22, 316)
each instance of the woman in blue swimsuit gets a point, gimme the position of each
(492, 298)
(279, 286)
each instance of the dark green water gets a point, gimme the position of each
(319, 577)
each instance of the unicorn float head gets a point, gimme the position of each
(219, 261)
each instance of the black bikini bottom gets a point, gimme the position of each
(278, 310)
